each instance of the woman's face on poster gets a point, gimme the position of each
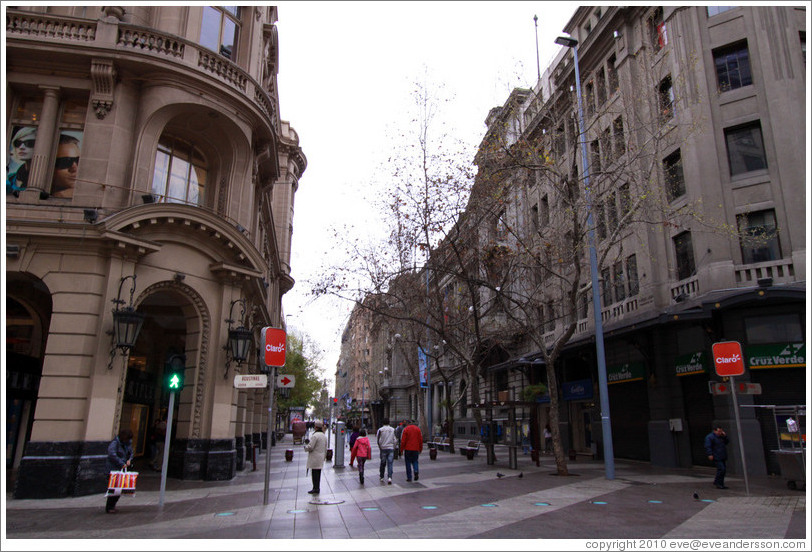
(24, 148)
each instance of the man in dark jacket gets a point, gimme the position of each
(716, 448)
(119, 455)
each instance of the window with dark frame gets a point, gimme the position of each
(180, 172)
(611, 73)
(624, 199)
(684, 254)
(219, 29)
(590, 98)
(759, 237)
(606, 287)
(745, 148)
(631, 275)
(619, 281)
(665, 93)
(600, 83)
(658, 34)
(619, 137)
(534, 218)
(544, 212)
(732, 66)
(773, 328)
(600, 220)
(674, 178)
(549, 312)
(595, 151)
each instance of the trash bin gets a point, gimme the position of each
(289, 455)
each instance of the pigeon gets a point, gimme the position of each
(500, 475)
(521, 474)
(696, 496)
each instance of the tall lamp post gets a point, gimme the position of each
(606, 422)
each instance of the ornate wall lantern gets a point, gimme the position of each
(127, 323)
(240, 339)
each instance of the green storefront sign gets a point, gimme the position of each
(692, 363)
(622, 373)
(778, 355)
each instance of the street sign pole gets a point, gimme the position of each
(167, 439)
(739, 433)
(271, 386)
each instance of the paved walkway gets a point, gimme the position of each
(455, 498)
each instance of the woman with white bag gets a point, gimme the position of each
(119, 456)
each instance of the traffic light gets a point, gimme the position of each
(174, 371)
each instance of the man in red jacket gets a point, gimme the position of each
(411, 445)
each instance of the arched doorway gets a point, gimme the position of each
(28, 314)
(170, 320)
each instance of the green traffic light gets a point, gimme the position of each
(174, 381)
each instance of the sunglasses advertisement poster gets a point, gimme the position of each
(66, 160)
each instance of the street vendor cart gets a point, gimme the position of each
(790, 430)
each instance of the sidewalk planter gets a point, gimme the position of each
(469, 453)
(433, 453)
(328, 455)
(289, 455)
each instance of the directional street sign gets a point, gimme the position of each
(285, 381)
(742, 388)
(251, 381)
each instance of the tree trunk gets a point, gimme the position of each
(558, 449)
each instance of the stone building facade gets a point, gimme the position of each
(159, 176)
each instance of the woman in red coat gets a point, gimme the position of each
(362, 451)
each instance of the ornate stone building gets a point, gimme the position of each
(147, 167)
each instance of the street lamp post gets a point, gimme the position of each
(606, 423)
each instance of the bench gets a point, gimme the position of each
(443, 444)
(470, 450)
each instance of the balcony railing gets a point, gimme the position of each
(782, 271)
(142, 41)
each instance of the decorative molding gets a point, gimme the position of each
(103, 75)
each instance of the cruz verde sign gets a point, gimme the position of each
(622, 373)
(779, 355)
(692, 363)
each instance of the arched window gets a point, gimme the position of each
(180, 172)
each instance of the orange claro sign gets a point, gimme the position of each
(728, 358)
(274, 340)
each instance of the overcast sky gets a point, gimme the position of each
(346, 71)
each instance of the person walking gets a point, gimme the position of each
(716, 448)
(548, 439)
(411, 445)
(119, 456)
(353, 437)
(362, 451)
(316, 448)
(398, 433)
(386, 448)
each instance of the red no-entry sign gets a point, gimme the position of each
(275, 339)
(728, 359)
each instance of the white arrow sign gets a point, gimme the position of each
(285, 380)
(249, 381)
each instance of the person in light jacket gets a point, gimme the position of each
(119, 456)
(316, 448)
(386, 446)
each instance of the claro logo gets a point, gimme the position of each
(728, 360)
(275, 348)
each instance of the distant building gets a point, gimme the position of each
(148, 166)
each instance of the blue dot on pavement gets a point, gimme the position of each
(599, 502)
(297, 511)
(707, 500)
(541, 504)
(488, 505)
(370, 509)
(226, 514)
(655, 501)
(429, 507)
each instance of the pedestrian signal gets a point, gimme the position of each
(174, 380)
